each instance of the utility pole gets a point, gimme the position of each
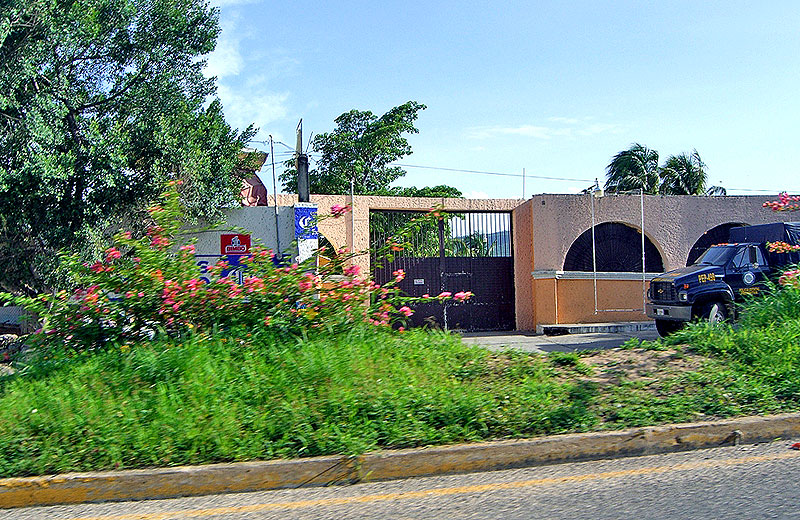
(301, 165)
(278, 250)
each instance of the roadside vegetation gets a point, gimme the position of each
(140, 365)
(243, 394)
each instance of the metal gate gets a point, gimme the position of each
(465, 251)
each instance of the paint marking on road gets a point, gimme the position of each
(434, 492)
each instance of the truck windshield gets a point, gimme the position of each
(717, 255)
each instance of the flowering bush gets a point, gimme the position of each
(781, 247)
(790, 278)
(151, 285)
(785, 202)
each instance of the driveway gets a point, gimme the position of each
(531, 342)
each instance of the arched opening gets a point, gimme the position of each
(618, 248)
(716, 235)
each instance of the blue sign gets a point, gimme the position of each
(305, 222)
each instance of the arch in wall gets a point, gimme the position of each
(716, 235)
(618, 248)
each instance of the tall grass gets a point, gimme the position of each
(764, 345)
(237, 398)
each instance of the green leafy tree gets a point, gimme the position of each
(101, 102)
(475, 244)
(683, 174)
(439, 191)
(361, 148)
(633, 169)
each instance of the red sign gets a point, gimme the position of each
(238, 244)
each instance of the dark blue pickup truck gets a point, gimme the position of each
(723, 275)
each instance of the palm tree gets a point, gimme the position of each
(633, 169)
(683, 174)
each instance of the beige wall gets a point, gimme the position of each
(339, 231)
(672, 223)
(522, 228)
(544, 228)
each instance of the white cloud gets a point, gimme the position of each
(565, 120)
(561, 127)
(226, 60)
(229, 3)
(257, 105)
(247, 98)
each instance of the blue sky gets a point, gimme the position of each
(556, 88)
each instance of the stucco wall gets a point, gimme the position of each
(339, 231)
(259, 221)
(672, 223)
(544, 228)
(522, 228)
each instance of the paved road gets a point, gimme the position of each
(530, 342)
(740, 482)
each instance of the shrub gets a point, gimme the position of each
(149, 285)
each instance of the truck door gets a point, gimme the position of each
(746, 271)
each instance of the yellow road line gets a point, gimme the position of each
(405, 495)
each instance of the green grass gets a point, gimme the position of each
(213, 400)
(246, 397)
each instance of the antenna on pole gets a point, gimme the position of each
(278, 251)
(301, 165)
(299, 146)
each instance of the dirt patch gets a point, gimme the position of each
(609, 367)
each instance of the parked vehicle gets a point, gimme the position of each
(723, 275)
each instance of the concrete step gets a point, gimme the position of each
(588, 328)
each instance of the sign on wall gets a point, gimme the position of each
(234, 244)
(305, 225)
(305, 230)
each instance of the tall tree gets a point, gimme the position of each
(633, 169)
(683, 174)
(361, 148)
(101, 102)
(637, 168)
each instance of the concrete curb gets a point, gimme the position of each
(385, 465)
(590, 328)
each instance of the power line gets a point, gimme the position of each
(493, 173)
(504, 174)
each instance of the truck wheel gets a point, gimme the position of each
(714, 312)
(667, 327)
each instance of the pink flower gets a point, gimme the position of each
(461, 296)
(159, 241)
(353, 270)
(338, 210)
(405, 310)
(399, 275)
(426, 295)
(112, 253)
(445, 294)
(189, 249)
